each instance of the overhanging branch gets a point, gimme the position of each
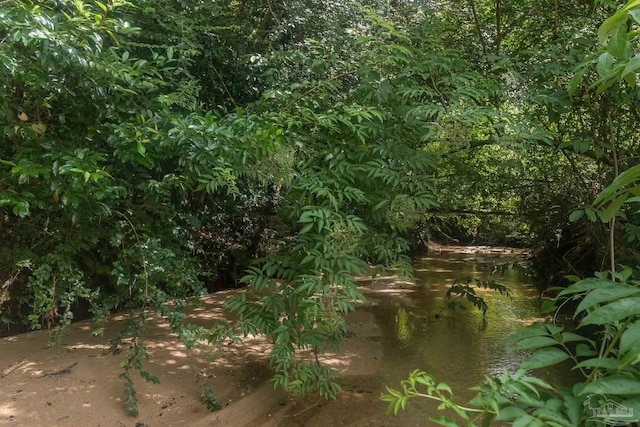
(473, 144)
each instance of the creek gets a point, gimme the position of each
(459, 347)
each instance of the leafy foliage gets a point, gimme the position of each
(114, 176)
(462, 289)
(608, 362)
(433, 390)
(209, 399)
(152, 150)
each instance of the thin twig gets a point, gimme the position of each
(144, 259)
(305, 410)
(62, 371)
(476, 21)
(224, 85)
(273, 13)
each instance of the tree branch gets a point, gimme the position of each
(477, 143)
(476, 20)
(476, 212)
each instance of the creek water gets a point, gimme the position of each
(406, 328)
(463, 346)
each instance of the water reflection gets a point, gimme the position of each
(404, 327)
(460, 347)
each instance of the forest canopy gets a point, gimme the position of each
(154, 151)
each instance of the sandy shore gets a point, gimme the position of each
(76, 383)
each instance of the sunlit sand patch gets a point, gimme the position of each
(7, 409)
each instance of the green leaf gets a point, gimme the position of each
(632, 404)
(630, 337)
(605, 295)
(534, 342)
(635, 199)
(140, 148)
(613, 312)
(307, 228)
(444, 421)
(444, 387)
(614, 208)
(543, 358)
(605, 61)
(307, 216)
(619, 19)
(621, 182)
(21, 209)
(632, 65)
(380, 205)
(149, 378)
(528, 421)
(598, 363)
(534, 330)
(584, 350)
(630, 79)
(618, 42)
(548, 306)
(576, 215)
(571, 337)
(574, 407)
(552, 415)
(539, 382)
(576, 79)
(620, 386)
(587, 284)
(606, 82)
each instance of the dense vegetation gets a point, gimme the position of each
(156, 150)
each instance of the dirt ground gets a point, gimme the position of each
(76, 383)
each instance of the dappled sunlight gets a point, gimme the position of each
(178, 354)
(154, 397)
(433, 270)
(342, 361)
(394, 291)
(336, 362)
(251, 347)
(83, 366)
(7, 410)
(22, 365)
(80, 346)
(478, 249)
(394, 325)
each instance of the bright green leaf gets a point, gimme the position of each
(543, 358)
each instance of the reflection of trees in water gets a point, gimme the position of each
(404, 326)
(461, 346)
